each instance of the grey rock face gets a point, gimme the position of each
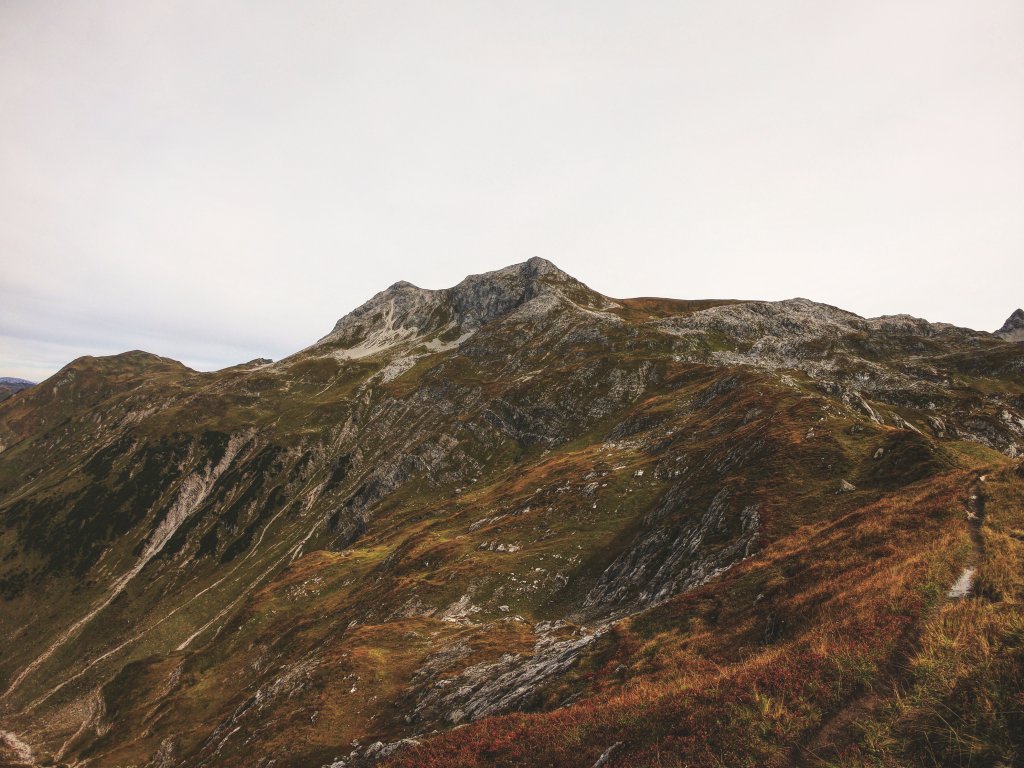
(14, 751)
(1013, 328)
(816, 338)
(606, 756)
(505, 685)
(662, 561)
(405, 312)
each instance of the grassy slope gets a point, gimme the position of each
(837, 646)
(776, 648)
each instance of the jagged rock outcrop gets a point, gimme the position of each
(1013, 328)
(440, 319)
(14, 752)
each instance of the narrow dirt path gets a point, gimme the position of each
(816, 746)
(964, 585)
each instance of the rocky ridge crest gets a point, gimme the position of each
(405, 314)
(1013, 328)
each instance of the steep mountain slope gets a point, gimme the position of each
(1013, 328)
(583, 528)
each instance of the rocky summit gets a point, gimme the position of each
(1013, 328)
(519, 523)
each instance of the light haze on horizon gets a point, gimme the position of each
(221, 181)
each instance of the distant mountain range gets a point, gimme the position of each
(8, 386)
(520, 523)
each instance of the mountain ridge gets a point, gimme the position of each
(458, 311)
(405, 312)
(1013, 328)
(527, 510)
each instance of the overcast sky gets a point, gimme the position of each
(218, 181)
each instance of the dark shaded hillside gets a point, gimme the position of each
(647, 531)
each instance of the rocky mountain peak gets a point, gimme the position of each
(1013, 328)
(479, 299)
(404, 312)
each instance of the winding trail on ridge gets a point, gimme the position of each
(964, 585)
(813, 748)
